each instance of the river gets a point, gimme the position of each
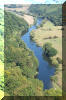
(44, 68)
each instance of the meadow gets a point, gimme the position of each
(47, 32)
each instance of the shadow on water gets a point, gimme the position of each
(47, 59)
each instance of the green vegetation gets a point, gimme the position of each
(20, 63)
(49, 51)
(52, 92)
(49, 37)
(59, 60)
(1, 22)
(52, 12)
(1, 53)
(16, 24)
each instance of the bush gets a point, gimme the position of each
(54, 62)
(49, 51)
(53, 92)
(59, 60)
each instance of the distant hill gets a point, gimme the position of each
(52, 12)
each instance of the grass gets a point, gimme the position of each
(51, 34)
(43, 35)
(24, 9)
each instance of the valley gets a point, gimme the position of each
(28, 30)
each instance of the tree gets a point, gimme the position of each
(49, 51)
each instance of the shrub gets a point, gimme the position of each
(49, 51)
(59, 60)
(54, 62)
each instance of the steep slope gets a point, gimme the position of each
(20, 63)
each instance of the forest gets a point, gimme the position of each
(51, 12)
(20, 63)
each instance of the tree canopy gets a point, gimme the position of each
(49, 51)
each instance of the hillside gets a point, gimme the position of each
(52, 12)
(20, 63)
(21, 11)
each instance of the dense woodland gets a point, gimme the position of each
(51, 12)
(20, 63)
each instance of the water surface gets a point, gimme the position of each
(45, 70)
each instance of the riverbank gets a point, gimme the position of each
(52, 34)
(25, 64)
(44, 67)
(22, 12)
(28, 18)
(21, 63)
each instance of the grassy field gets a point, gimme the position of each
(51, 34)
(18, 8)
(22, 12)
(28, 18)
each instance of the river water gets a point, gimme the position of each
(45, 69)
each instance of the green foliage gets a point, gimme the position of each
(1, 81)
(49, 50)
(14, 23)
(52, 92)
(1, 49)
(59, 60)
(1, 22)
(17, 84)
(20, 63)
(52, 12)
(1, 54)
(54, 62)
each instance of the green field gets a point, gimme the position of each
(47, 32)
